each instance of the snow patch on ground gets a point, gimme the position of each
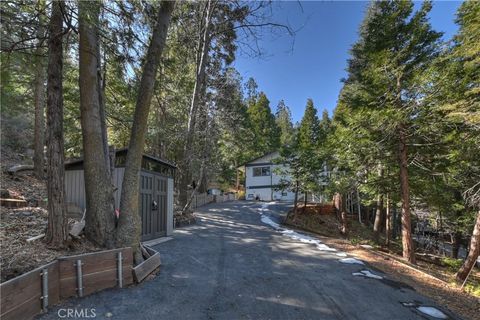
(366, 246)
(267, 220)
(290, 233)
(432, 312)
(265, 206)
(351, 261)
(367, 274)
(324, 247)
(341, 254)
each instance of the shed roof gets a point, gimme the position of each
(76, 163)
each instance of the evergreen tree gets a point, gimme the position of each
(266, 132)
(309, 164)
(455, 117)
(283, 118)
(309, 129)
(396, 46)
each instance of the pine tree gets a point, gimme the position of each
(456, 117)
(266, 131)
(309, 164)
(309, 129)
(396, 45)
(283, 118)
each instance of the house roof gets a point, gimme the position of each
(119, 153)
(266, 154)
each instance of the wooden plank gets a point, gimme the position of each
(94, 262)
(20, 297)
(94, 282)
(13, 203)
(24, 287)
(146, 267)
(80, 256)
(25, 310)
(53, 284)
(95, 266)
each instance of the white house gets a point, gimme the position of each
(263, 176)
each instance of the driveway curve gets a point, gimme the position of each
(236, 263)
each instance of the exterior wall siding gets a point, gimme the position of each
(75, 188)
(264, 187)
(170, 207)
(75, 193)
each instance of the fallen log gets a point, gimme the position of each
(36, 237)
(13, 203)
(19, 167)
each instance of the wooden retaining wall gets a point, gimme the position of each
(27, 295)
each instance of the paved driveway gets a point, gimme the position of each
(234, 265)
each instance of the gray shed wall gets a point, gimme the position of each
(75, 192)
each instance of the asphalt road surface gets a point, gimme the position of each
(233, 264)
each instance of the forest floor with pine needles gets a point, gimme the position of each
(17, 255)
(433, 280)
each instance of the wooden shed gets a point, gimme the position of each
(156, 191)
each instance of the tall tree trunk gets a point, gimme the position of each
(377, 225)
(456, 240)
(388, 222)
(359, 207)
(305, 200)
(57, 220)
(379, 218)
(237, 176)
(129, 224)
(39, 99)
(100, 218)
(202, 51)
(408, 250)
(295, 201)
(473, 252)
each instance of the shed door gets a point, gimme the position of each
(153, 205)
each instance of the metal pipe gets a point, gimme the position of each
(120, 269)
(44, 289)
(79, 278)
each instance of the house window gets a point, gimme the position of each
(261, 171)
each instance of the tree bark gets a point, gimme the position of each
(100, 203)
(305, 201)
(456, 239)
(39, 100)
(359, 207)
(57, 220)
(407, 243)
(295, 201)
(388, 222)
(473, 252)
(129, 224)
(377, 225)
(203, 50)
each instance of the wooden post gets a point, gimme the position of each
(44, 289)
(120, 269)
(79, 278)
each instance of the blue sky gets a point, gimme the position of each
(311, 64)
